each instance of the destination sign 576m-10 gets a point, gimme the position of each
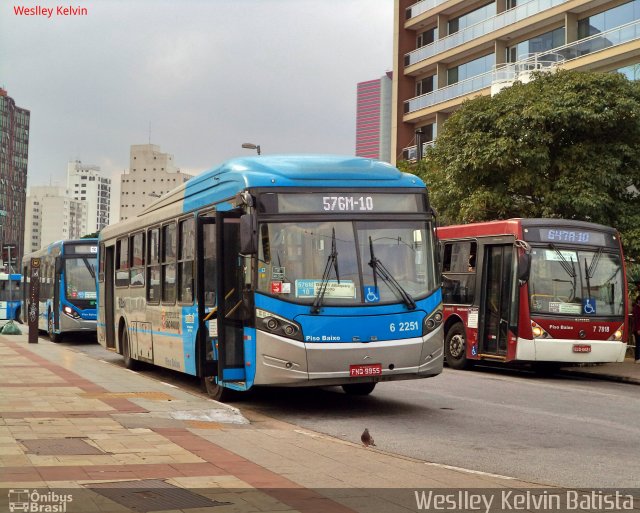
(341, 202)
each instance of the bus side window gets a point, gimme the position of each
(458, 272)
(137, 259)
(168, 257)
(186, 252)
(153, 266)
(209, 264)
(122, 263)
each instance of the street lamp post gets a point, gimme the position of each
(251, 146)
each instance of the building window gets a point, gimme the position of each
(470, 69)
(425, 85)
(542, 43)
(470, 18)
(609, 19)
(426, 38)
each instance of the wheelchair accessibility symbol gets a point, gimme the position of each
(589, 305)
(371, 294)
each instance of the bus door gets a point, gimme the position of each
(109, 316)
(229, 298)
(206, 286)
(219, 295)
(496, 300)
(57, 276)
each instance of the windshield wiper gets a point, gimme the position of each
(332, 261)
(589, 271)
(569, 267)
(380, 269)
(92, 271)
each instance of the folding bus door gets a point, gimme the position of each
(230, 288)
(496, 301)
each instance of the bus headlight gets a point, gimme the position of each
(618, 334)
(279, 325)
(538, 331)
(432, 322)
(71, 312)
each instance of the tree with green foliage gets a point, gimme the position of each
(565, 145)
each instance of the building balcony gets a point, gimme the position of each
(420, 7)
(482, 28)
(410, 153)
(568, 56)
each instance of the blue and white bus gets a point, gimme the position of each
(280, 271)
(10, 296)
(67, 300)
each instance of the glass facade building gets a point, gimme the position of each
(446, 51)
(14, 153)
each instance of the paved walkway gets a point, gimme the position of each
(119, 441)
(107, 439)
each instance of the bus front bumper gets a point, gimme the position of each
(285, 362)
(570, 350)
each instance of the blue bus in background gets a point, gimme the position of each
(278, 271)
(10, 296)
(67, 300)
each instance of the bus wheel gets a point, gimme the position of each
(54, 337)
(129, 363)
(215, 391)
(455, 347)
(359, 388)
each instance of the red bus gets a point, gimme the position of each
(533, 290)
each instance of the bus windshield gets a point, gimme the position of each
(10, 290)
(576, 282)
(350, 256)
(80, 278)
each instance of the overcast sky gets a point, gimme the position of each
(205, 75)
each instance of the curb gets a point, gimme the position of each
(604, 377)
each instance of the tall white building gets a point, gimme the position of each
(86, 183)
(151, 175)
(51, 215)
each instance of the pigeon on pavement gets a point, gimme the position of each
(366, 438)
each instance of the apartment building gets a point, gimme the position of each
(373, 118)
(14, 153)
(447, 51)
(151, 175)
(85, 182)
(51, 215)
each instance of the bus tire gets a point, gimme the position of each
(129, 363)
(455, 347)
(215, 391)
(54, 337)
(359, 388)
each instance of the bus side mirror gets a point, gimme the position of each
(524, 267)
(58, 265)
(248, 234)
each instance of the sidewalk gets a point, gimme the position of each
(114, 440)
(623, 372)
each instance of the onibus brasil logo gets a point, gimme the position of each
(34, 501)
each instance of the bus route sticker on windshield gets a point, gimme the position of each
(310, 288)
